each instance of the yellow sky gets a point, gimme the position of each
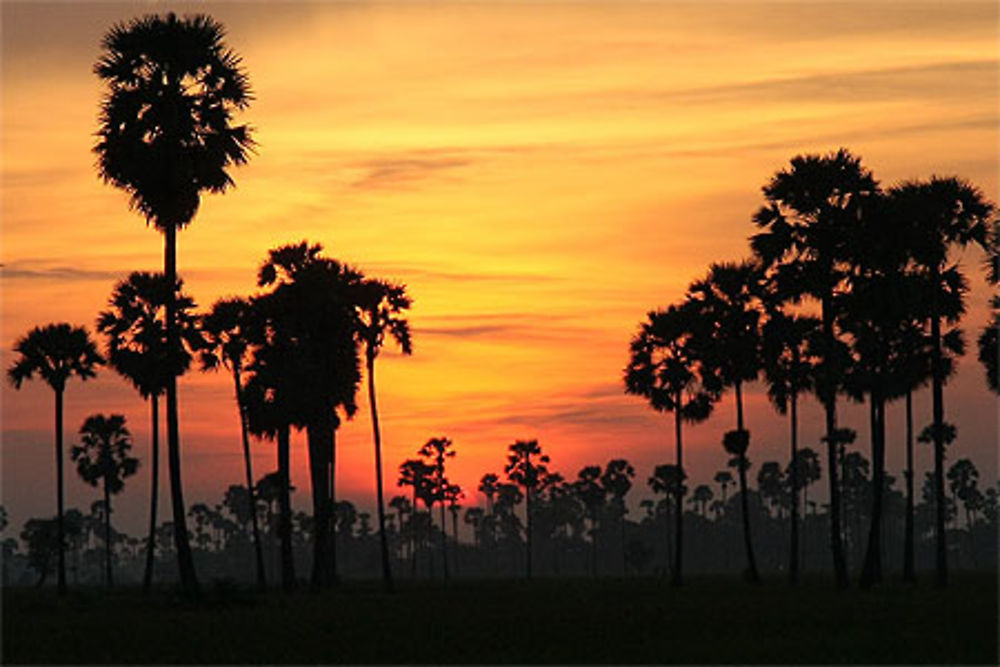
(539, 175)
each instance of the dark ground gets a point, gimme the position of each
(635, 620)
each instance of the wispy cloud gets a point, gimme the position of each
(38, 271)
(401, 171)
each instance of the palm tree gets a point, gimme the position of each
(436, 450)
(701, 497)
(941, 213)
(726, 302)
(617, 480)
(667, 368)
(380, 305)
(668, 479)
(526, 468)
(804, 247)
(165, 137)
(417, 475)
(805, 468)
(226, 329)
(103, 457)
(592, 495)
(989, 341)
(134, 327)
(55, 352)
(788, 370)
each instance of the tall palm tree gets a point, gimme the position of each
(380, 305)
(788, 370)
(55, 353)
(103, 458)
(166, 136)
(436, 450)
(592, 495)
(940, 214)
(526, 468)
(134, 328)
(617, 480)
(226, 329)
(727, 304)
(668, 479)
(418, 476)
(667, 368)
(804, 246)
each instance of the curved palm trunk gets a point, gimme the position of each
(937, 393)
(909, 572)
(185, 561)
(383, 541)
(318, 438)
(829, 400)
(331, 484)
(154, 491)
(444, 532)
(285, 509)
(793, 558)
(871, 573)
(679, 497)
(413, 536)
(752, 574)
(248, 470)
(527, 546)
(60, 529)
(107, 535)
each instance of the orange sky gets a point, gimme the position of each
(539, 175)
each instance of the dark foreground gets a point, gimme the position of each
(709, 620)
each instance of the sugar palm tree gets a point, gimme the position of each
(804, 247)
(591, 493)
(436, 450)
(617, 480)
(134, 328)
(381, 305)
(668, 479)
(940, 214)
(727, 304)
(526, 468)
(103, 458)
(227, 341)
(55, 353)
(788, 371)
(667, 368)
(166, 136)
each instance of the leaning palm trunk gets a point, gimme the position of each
(248, 469)
(909, 572)
(752, 574)
(147, 576)
(937, 393)
(318, 439)
(185, 561)
(60, 530)
(527, 544)
(285, 509)
(793, 558)
(383, 542)
(679, 497)
(872, 571)
(829, 399)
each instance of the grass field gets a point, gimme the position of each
(709, 620)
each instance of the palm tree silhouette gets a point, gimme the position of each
(55, 352)
(805, 468)
(134, 327)
(941, 213)
(226, 329)
(668, 479)
(805, 248)
(526, 468)
(165, 136)
(668, 369)
(726, 302)
(989, 342)
(436, 450)
(103, 458)
(592, 495)
(788, 370)
(380, 305)
(617, 480)
(417, 475)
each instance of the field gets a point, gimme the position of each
(709, 620)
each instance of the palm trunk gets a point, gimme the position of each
(909, 572)
(624, 564)
(107, 535)
(248, 470)
(527, 516)
(679, 503)
(285, 508)
(793, 558)
(828, 394)
(154, 492)
(383, 542)
(60, 529)
(444, 528)
(185, 561)
(454, 534)
(317, 440)
(413, 536)
(752, 574)
(331, 423)
(872, 571)
(593, 544)
(937, 392)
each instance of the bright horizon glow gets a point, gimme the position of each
(540, 176)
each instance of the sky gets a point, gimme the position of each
(539, 175)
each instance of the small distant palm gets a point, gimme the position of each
(103, 458)
(55, 353)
